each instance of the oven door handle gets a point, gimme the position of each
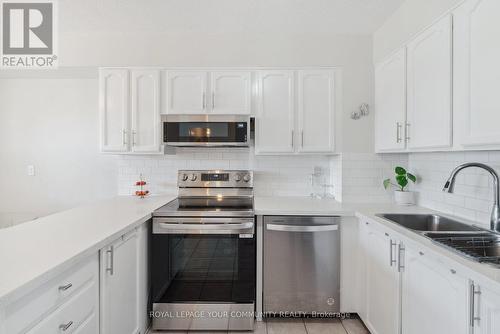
(298, 228)
(185, 228)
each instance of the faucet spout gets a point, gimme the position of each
(495, 214)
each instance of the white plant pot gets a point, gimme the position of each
(404, 197)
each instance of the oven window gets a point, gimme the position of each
(203, 268)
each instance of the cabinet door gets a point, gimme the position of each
(146, 124)
(120, 310)
(434, 296)
(316, 111)
(231, 92)
(382, 284)
(487, 309)
(274, 124)
(390, 103)
(429, 87)
(114, 110)
(186, 92)
(477, 72)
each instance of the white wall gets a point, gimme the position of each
(53, 125)
(411, 17)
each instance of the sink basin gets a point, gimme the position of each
(429, 223)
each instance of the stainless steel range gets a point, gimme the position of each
(203, 268)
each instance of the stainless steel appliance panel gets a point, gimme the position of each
(301, 264)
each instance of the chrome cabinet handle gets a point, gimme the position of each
(111, 268)
(213, 100)
(407, 132)
(292, 138)
(391, 253)
(302, 136)
(124, 137)
(133, 138)
(401, 251)
(472, 308)
(64, 327)
(296, 228)
(398, 132)
(65, 287)
(204, 101)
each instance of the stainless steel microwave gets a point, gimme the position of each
(206, 130)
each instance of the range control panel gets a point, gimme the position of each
(215, 179)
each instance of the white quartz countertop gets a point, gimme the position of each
(312, 206)
(31, 253)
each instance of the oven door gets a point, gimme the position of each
(196, 131)
(203, 273)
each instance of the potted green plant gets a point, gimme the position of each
(402, 196)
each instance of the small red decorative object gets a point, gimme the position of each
(141, 192)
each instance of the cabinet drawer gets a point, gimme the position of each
(34, 305)
(77, 315)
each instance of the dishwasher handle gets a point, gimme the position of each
(299, 228)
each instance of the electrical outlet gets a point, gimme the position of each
(31, 170)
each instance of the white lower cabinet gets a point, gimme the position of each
(409, 289)
(484, 317)
(123, 289)
(381, 301)
(433, 294)
(70, 300)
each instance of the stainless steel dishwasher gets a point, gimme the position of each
(301, 265)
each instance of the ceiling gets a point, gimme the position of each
(226, 16)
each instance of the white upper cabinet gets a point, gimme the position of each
(146, 124)
(390, 103)
(434, 296)
(477, 73)
(213, 92)
(130, 111)
(114, 110)
(316, 111)
(186, 92)
(231, 92)
(429, 92)
(274, 122)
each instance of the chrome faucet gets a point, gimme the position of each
(495, 214)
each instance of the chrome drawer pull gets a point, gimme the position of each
(392, 260)
(64, 327)
(111, 268)
(65, 287)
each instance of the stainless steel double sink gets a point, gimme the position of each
(470, 241)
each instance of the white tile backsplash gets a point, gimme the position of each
(363, 175)
(473, 195)
(274, 175)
